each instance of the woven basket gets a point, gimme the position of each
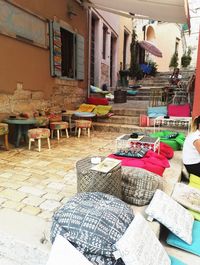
(92, 181)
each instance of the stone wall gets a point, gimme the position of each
(104, 74)
(65, 95)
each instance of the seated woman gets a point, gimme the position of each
(191, 149)
(175, 78)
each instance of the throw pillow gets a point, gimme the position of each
(140, 246)
(139, 185)
(172, 215)
(194, 181)
(132, 153)
(93, 222)
(187, 196)
(194, 248)
(175, 261)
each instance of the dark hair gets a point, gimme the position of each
(196, 123)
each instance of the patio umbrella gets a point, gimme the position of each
(150, 47)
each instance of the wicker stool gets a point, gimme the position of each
(39, 133)
(83, 124)
(59, 126)
(89, 180)
(4, 132)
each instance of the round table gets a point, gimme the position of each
(22, 126)
(86, 115)
(89, 180)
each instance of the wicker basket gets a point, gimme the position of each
(91, 181)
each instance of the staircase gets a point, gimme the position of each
(126, 115)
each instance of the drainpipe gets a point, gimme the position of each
(89, 17)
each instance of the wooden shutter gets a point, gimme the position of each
(79, 57)
(55, 48)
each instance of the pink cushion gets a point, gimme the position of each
(97, 101)
(151, 161)
(179, 110)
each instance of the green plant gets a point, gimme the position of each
(174, 60)
(186, 58)
(135, 70)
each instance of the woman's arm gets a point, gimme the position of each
(196, 144)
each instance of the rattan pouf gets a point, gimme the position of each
(89, 180)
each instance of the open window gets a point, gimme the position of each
(67, 52)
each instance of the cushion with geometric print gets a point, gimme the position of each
(139, 185)
(93, 222)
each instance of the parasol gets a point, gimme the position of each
(150, 47)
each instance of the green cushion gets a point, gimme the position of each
(194, 181)
(196, 215)
(166, 137)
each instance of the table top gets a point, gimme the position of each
(174, 118)
(20, 121)
(68, 112)
(141, 139)
(84, 114)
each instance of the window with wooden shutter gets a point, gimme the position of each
(67, 52)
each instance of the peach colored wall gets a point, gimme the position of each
(126, 24)
(30, 65)
(166, 34)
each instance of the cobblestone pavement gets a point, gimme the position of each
(39, 183)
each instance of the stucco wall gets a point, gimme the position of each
(28, 67)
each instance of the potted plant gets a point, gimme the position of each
(186, 58)
(174, 61)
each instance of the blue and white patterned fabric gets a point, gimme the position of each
(93, 222)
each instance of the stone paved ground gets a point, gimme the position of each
(39, 183)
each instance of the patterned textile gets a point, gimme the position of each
(3, 128)
(60, 125)
(90, 180)
(140, 246)
(55, 117)
(139, 185)
(172, 215)
(42, 121)
(38, 133)
(132, 153)
(83, 124)
(93, 222)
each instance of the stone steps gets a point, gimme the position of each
(117, 119)
(129, 112)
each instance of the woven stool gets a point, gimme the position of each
(4, 132)
(39, 133)
(89, 180)
(83, 124)
(58, 126)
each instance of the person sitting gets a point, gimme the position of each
(191, 149)
(175, 78)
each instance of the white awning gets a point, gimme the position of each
(175, 11)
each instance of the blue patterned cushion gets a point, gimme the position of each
(93, 222)
(131, 153)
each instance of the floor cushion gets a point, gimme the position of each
(194, 248)
(93, 222)
(86, 107)
(175, 261)
(172, 215)
(139, 185)
(97, 101)
(102, 110)
(132, 92)
(194, 181)
(175, 142)
(152, 161)
(154, 112)
(178, 110)
(166, 150)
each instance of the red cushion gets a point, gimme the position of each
(151, 161)
(97, 101)
(166, 150)
(179, 110)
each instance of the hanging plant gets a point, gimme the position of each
(174, 60)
